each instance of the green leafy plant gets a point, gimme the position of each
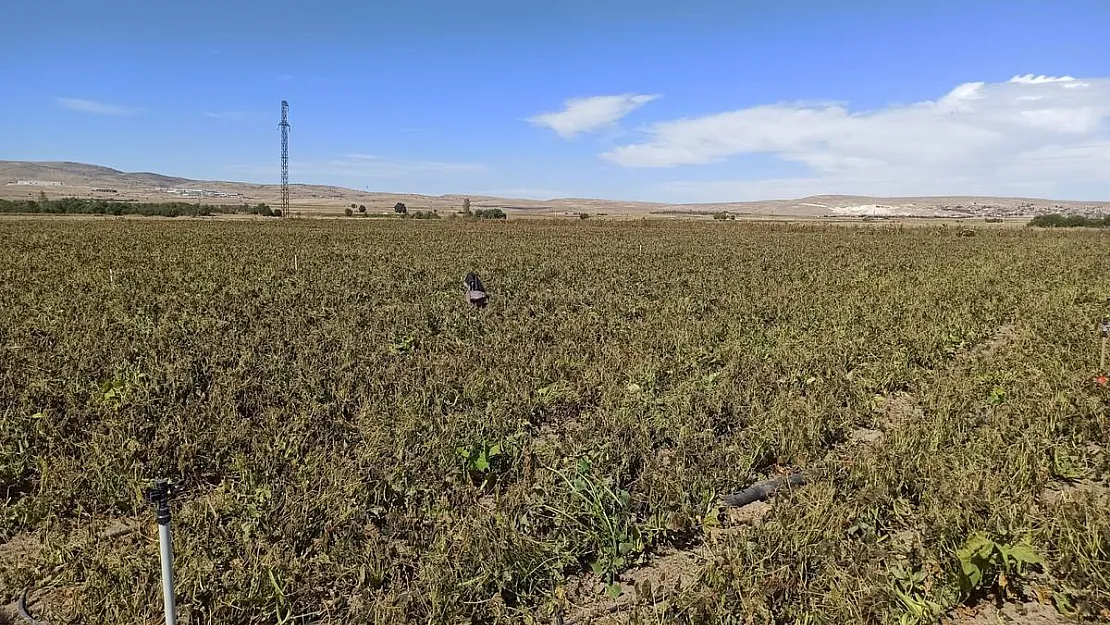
(483, 462)
(1065, 466)
(403, 345)
(604, 513)
(910, 589)
(987, 564)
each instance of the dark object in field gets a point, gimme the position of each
(23, 613)
(762, 490)
(474, 292)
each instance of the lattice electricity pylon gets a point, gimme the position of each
(284, 125)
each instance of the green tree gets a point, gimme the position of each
(348, 212)
(400, 208)
(362, 208)
(490, 213)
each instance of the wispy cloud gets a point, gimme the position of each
(380, 167)
(94, 106)
(1031, 133)
(581, 115)
(526, 193)
(365, 166)
(233, 116)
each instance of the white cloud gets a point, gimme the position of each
(1031, 132)
(93, 106)
(583, 115)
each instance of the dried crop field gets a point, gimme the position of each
(359, 446)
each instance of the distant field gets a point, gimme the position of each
(359, 446)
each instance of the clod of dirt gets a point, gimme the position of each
(664, 576)
(905, 540)
(864, 436)
(750, 514)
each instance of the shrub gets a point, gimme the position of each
(490, 213)
(400, 208)
(348, 212)
(362, 208)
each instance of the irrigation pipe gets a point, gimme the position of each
(21, 606)
(762, 490)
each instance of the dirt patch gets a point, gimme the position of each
(1001, 337)
(25, 547)
(1060, 493)
(9, 614)
(1028, 613)
(665, 576)
(898, 409)
(19, 547)
(653, 584)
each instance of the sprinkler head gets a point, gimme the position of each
(159, 494)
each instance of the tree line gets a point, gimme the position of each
(80, 206)
(1057, 220)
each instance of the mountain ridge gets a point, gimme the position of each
(90, 180)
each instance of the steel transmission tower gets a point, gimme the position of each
(284, 125)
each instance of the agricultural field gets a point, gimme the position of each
(357, 445)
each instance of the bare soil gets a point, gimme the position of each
(1026, 613)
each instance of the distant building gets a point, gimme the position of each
(37, 183)
(200, 193)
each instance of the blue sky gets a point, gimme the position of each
(695, 100)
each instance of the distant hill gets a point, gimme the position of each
(59, 179)
(81, 174)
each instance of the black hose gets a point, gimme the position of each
(21, 606)
(762, 490)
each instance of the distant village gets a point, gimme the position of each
(1025, 209)
(172, 191)
(201, 193)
